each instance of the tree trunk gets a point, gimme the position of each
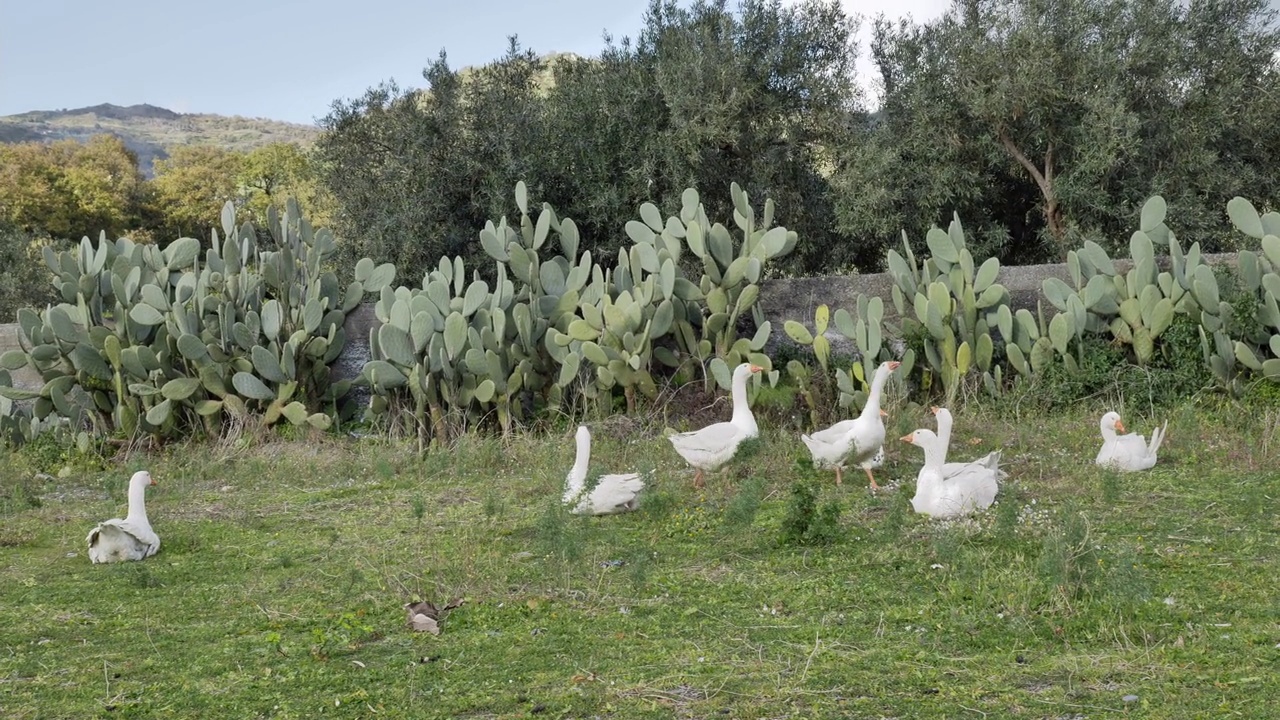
(1044, 180)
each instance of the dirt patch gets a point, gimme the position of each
(689, 406)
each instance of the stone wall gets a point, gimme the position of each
(781, 300)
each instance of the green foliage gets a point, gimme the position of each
(1177, 373)
(745, 504)
(1043, 124)
(69, 189)
(194, 182)
(1070, 560)
(1058, 387)
(865, 328)
(705, 315)
(956, 308)
(559, 533)
(807, 522)
(1251, 304)
(415, 172)
(23, 275)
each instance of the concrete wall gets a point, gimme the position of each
(781, 300)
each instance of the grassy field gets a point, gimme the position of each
(278, 591)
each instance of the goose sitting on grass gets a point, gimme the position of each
(947, 492)
(609, 494)
(710, 448)
(1127, 452)
(132, 538)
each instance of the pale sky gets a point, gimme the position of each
(918, 10)
(286, 59)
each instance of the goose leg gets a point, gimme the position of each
(697, 479)
(838, 476)
(874, 486)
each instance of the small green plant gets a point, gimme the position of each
(558, 532)
(806, 521)
(1006, 510)
(493, 505)
(742, 509)
(1111, 485)
(275, 642)
(1069, 561)
(48, 452)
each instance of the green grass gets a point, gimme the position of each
(279, 588)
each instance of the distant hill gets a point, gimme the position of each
(149, 130)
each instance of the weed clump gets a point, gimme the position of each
(806, 522)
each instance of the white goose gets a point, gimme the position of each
(970, 487)
(991, 460)
(1127, 452)
(860, 440)
(611, 494)
(132, 538)
(710, 448)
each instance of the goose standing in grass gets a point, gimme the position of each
(132, 538)
(611, 493)
(968, 488)
(1127, 452)
(708, 449)
(860, 440)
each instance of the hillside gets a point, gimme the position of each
(148, 130)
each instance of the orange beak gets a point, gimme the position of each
(756, 368)
(934, 409)
(1120, 426)
(153, 481)
(883, 413)
(893, 364)
(908, 439)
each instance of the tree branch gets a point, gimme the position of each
(1052, 214)
(1045, 183)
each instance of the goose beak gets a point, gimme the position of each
(934, 409)
(883, 414)
(907, 439)
(893, 365)
(756, 369)
(1120, 426)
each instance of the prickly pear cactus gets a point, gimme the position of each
(706, 313)
(1257, 346)
(456, 348)
(954, 306)
(162, 342)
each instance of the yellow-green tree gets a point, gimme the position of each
(273, 173)
(190, 188)
(70, 189)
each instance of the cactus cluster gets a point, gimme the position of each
(160, 342)
(1134, 307)
(557, 325)
(865, 329)
(463, 349)
(1258, 344)
(953, 306)
(961, 316)
(706, 314)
